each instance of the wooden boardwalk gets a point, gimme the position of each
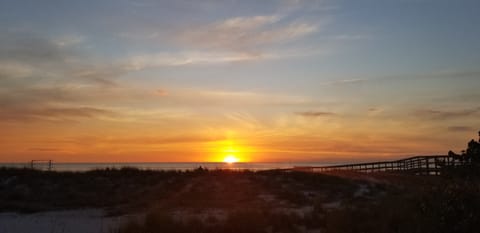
(419, 165)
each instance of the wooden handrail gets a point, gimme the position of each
(425, 165)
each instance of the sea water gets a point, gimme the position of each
(164, 166)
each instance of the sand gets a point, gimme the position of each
(72, 221)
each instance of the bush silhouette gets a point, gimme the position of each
(469, 155)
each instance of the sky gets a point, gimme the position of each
(262, 81)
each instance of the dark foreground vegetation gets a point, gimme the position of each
(243, 201)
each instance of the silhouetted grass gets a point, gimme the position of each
(245, 201)
(27, 190)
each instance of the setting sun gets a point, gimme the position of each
(230, 159)
(230, 151)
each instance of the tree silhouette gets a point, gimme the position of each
(471, 154)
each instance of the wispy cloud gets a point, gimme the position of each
(211, 57)
(31, 49)
(315, 114)
(447, 114)
(346, 81)
(351, 37)
(244, 34)
(245, 37)
(28, 55)
(375, 111)
(61, 103)
(250, 98)
(245, 120)
(227, 99)
(69, 40)
(104, 75)
(145, 140)
(143, 61)
(161, 92)
(460, 128)
(14, 70)
(52, 113)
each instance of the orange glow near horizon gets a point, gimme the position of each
(229, 151)
(121, 143)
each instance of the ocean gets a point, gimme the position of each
(162, 166)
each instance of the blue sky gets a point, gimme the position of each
(281, 79)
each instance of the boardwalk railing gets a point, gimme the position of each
(420, 165)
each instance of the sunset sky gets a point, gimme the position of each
(284, 80)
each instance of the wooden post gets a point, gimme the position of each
(428, 166)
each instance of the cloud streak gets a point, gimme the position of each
(447, 114)
(246, 98)
(459, 128)
(143, 61)
(315, 114)
(27, 55)
(50, 113)
(244, 34)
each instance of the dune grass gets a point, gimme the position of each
(245, 201)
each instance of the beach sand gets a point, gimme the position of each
(71, 221)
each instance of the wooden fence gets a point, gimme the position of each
(42, 164)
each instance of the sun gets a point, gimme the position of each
(230, 159)
(229, 151)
